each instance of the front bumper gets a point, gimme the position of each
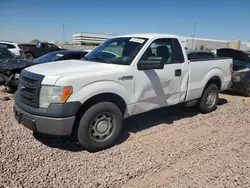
(45, 125)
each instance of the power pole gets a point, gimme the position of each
(63, 34)
(193, 35)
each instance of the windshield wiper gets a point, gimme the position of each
(99, 59)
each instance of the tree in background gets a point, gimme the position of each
(202, 47)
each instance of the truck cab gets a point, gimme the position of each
(123, 76)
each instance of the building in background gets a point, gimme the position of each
(188, 42)
(199, 43)
(210, 44)
(89, 38)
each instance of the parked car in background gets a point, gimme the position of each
(61, 55)
(10, 68)
(13, 47)
(6, 54)
(241, 69)
(33, 51)
(124, 76)
(200, 54)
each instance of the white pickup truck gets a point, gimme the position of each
(123, 76)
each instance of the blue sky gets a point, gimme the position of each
(24, 20)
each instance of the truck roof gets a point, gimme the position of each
(148, 35)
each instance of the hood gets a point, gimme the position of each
(14, 64)
(69, 67)
(234, 54)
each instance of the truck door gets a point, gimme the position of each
(161, 87)
(40, 50)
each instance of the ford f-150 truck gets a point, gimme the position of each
(123, 76)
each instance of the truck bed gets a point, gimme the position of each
(201, 69)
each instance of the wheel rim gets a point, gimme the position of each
(29, 57)
(102, 126)
(211, 99)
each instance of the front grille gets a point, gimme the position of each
(29, 88)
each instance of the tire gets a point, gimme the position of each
(203, 104)
(246, 93)
(29, 56)
(12, 89)
(100, 126)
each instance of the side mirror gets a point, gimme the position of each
(151, 63)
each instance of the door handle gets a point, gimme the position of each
(178, 72)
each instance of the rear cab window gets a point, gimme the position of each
(200, 55)
(191, 56)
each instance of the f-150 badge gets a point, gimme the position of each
(130, 77)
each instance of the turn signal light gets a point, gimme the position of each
(66, 92)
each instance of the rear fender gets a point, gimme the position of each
(215, 72)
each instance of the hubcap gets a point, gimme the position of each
(102, 126)
(211, 99)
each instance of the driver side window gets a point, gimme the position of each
(160, 48)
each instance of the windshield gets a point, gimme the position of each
(117, 50)
(49, 57)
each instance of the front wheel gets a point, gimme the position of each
(209, 99)
(100, 126)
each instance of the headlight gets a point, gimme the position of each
(237, 79)
(54, 94)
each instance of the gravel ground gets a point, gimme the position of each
(172, 147)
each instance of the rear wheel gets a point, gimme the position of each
(100, 126)
(29, 56)
(209, 99)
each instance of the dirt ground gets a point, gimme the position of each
(171, 147)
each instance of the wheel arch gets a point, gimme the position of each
(102, 97)
(214, 80)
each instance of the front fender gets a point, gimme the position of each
(100, 87)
